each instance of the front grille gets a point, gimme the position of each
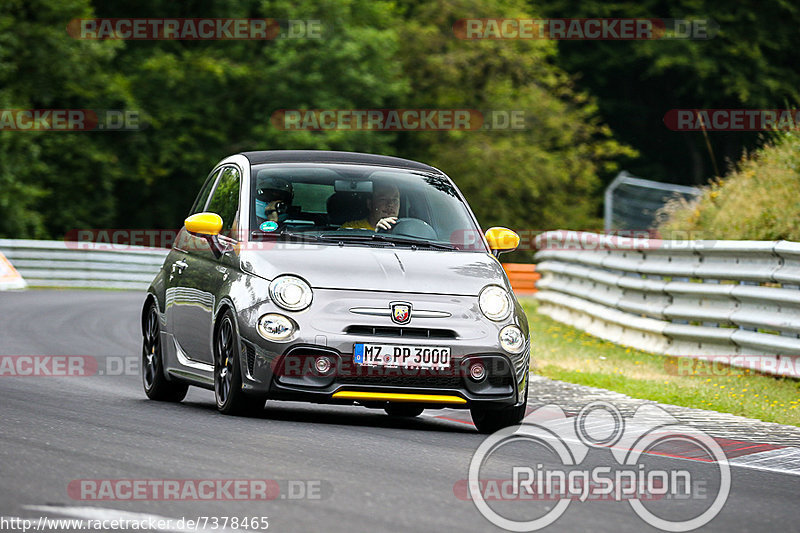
(500, 380)
(396, 331)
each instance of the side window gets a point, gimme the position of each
(225, 201)
(202, 198)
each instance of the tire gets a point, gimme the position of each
(230, 398)
(491, 420)
(403, 410)
(156, 385)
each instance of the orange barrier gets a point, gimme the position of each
(523, 277)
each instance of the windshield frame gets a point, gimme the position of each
(478, 243)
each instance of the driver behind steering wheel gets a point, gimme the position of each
(383, 206)
(273, 197)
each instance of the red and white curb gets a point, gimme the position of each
(777, 454)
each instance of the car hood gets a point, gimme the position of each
(375, 268)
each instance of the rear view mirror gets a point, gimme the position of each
(352, 186)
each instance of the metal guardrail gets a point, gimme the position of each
(683, 298)
(632, 203)
(83, 264)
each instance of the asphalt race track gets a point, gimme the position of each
(364, 471)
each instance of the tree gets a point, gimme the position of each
(54, 181)
(541, 177)
(750, 63)
(206, 100)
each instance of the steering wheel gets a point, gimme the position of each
(412, 227)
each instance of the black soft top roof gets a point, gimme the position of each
(323, 156)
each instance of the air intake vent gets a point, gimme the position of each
(250, 351)
(391, 331)
(417, 382)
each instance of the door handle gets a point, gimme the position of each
(180, 266)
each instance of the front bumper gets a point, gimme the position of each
(285, 371)
(293, 376)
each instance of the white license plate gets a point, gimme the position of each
(401, 355)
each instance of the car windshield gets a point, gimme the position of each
(358, 204)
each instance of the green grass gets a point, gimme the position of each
(564, 353)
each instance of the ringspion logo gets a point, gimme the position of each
(671, 499)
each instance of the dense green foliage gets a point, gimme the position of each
(536, 178)
(759, 200)
(203, 100)
(51, 181)
(750, 63)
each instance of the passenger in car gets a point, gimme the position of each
(273, 198)
(384, 208)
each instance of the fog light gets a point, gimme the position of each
(275, 327)
(511, 339)
(322, 364)
(477, 371)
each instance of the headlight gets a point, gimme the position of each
(275, 327)
(495, 303)
(290, 292)
(511, 339)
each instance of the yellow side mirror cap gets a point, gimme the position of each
(204, 224)
(502, 239)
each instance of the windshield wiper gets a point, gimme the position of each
(365, 239)
(287, 235)
(388, 238)
(412, 241)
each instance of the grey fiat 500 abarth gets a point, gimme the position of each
(341, 278)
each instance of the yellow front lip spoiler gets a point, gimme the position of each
(398, 397)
